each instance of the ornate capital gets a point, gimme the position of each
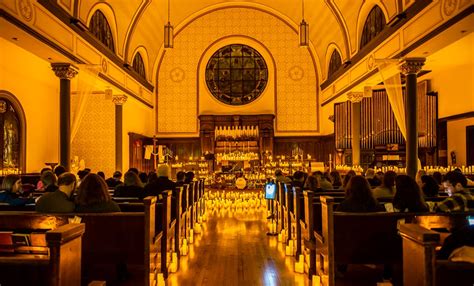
(119, 99)
(355, 96)
(64, 70)
(411, 65)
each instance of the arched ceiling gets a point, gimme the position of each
(139, 23)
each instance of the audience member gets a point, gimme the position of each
(48, 179)
(312, 184)
(93, 196)
(458, 238)
(58, 170)
(180, 176)
(298, 179)
(101, 174)
(59, 201)
(134, 170)
(152, 177)
(387, 189)
(359, 197)
(429, 186)
(162, 183)
(324, 182)
(336, 180)
(115, 180)
(370, 177)
(143, 178)
(347, 178)
(279, 177)
(438, 178)
(460, 198)
(418, 176)
(39, 185)
(188, 177)
(408, 197)
(11, 189)
(132, 187)
(82, 174)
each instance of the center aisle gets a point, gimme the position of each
(234, 249)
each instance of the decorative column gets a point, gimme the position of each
(119, 100)
(65, 72)
(411, 67)
(355, 99)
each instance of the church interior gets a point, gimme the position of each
(248, 97)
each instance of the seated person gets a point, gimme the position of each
(162, 183)
(298, 179)
(48, 179)
(280, 178)
(324, 182)
(58, 170)
(39, 184)
(134, 170)
(115, 180)
(387, 189)
(347, 178)
(180, 176)
(188, 177)
(359, 198)
(93, 196)
(336, 180)
(371, 178)
(408, 197)
(458, 238)
(460, 199)
(59, 201)
(11, 189)
(312, 184)
(132, 187)
(143, 178)
(429, 186)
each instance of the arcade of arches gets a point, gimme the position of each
(91, 84)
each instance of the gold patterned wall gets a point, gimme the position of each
(292, 85)
(95, 140)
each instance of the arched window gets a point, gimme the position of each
(138, 65)
(100, 28)
(334, 63)
(374, 24)
(12, 133)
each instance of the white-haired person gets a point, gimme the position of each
(162, 183)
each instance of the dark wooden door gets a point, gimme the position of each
(470, 145)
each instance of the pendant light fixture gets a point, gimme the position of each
(168, 40)
(304, 29)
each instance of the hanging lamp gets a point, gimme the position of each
(304, 29)
(168, 40)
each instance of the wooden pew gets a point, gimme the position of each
(176, 211)
(279, 207)
(289, 215)
(60, 267)
(420, 266)
(116, 247)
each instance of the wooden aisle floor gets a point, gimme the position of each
(235, 250)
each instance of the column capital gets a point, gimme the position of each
(411, 65)
(355, 96)
(119, 99)
(64, 70)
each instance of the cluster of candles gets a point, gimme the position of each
(236, 132)
(237, 156)
(346, 168)
(467, 170)
(8, 171)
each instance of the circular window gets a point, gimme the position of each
(236, 74)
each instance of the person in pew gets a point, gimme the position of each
(143, 178)
(58, 170)
(460, 198)
(312, 184)
(93, 196)
(59, 201)
(39, 185)
(359, 198)
(336, 179)
(10, 192)
(180, 178)
(162, 183)
(49, 181)
(101, 174)
(347, 178)
(324, 181)
(387, 189)
(371, 178)
(152, 177)
(461, 237)
(280, 178)
(298, 179)
(115, 180)
(418, 176)
(133, 170)
(132, 187)
(188, 177)
(429, 186)
(408, 197)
